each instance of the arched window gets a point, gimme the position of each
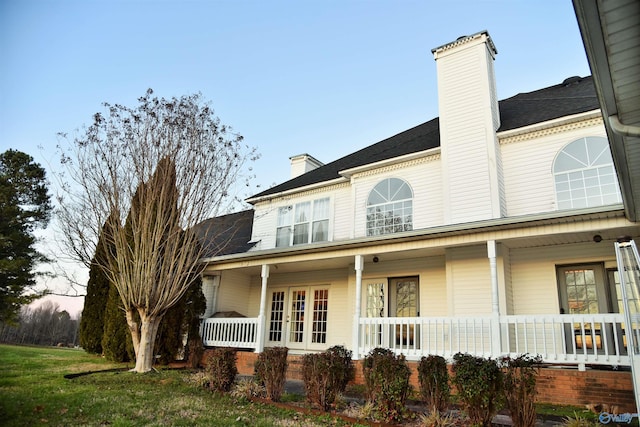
(390, 207)
(584, 175)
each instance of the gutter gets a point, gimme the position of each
(621, 129)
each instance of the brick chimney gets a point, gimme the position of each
(469, 118)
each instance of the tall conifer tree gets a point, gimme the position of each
(95, 302)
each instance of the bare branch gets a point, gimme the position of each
(142, 179)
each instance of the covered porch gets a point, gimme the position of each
(482, 291)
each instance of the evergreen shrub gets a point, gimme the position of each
(387, 383)
(479, 384)
(326, 375)
(520, 377)
(434, 382)
(271, 371)
(221, 368)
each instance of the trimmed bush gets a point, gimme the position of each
(479, 385)
(434, 382)
(326, 375)
(341, 359)
(221, 368)
(387, 383)
(520, 376)
(271, 371)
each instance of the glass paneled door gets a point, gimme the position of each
(397, 298)
(583, 290)
(298, 317)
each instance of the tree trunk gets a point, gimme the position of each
(134, 329)
(148, 331)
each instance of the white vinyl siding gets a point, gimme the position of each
(529, 185)
(233, 293)
(469, 278)
(470, 155)
(423, 177)
(533, 273)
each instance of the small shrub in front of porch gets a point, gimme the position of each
(520, 375)
(271, 371)
(387, 383)
(326, 375)
(434, 382)
(221, 368)
(479, 384)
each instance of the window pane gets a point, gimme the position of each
(302, 212)
(321, 209)
(393, 207)
(300, 234)
(277, 316)
(283, 237)
(587, 164)
(320, 311)
(320, 231)
(296, 332)
(284, 216)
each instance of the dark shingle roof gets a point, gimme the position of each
(227, 234)
(575, 95)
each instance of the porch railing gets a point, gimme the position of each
(598, 339)
(559, 339)
(241, 332)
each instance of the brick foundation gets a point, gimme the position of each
(556, 386)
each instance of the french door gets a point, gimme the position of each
(395, 297)
(298, 317)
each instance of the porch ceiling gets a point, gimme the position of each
(608, 237)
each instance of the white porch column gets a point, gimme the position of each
(210, 286)
(493, 266)
(496, 347)
(263, 303)
(356, 315)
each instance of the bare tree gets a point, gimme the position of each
(150, 174)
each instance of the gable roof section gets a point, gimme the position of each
(227, 234)
(575, 95)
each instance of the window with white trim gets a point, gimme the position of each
(584, 175)
(390, 207)
(304, 222)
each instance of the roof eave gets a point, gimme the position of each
(593, 37)
(451, 229)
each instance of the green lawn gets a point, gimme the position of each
(33, 391)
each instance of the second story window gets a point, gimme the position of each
(303, 222)
(390, 207)
(584, 175)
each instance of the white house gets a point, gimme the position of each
(488, 230)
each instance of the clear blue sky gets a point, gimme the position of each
(321, 77)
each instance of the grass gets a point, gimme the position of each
(33, 391)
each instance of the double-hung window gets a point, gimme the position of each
(304, 222)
